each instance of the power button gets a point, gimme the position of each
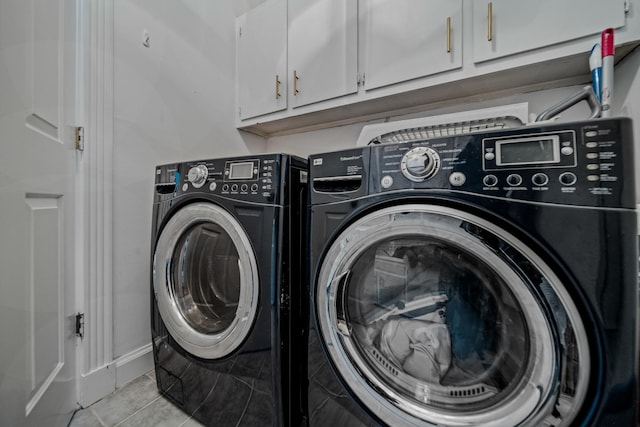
(457, 179)
(386, 181)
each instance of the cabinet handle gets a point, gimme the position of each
(277, 87)
(448, 34)
(490, 21)
(295, 83)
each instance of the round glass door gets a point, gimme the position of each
(433, 316)
(205, 280)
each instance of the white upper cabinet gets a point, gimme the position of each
(409, 39)
(261, 48)
(344, 61)
(506, 27)
(323, 44)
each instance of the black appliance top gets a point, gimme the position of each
(587, 163)
(252, 178)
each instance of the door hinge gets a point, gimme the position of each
(80, 325)
(79, 138)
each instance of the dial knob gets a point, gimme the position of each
(420, 164)
(198, 175)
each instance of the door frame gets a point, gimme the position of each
(96, 376)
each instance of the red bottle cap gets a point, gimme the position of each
(607, 42)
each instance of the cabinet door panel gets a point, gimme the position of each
(262, 58)
(409, 39)
(519, 26)
(322, 49)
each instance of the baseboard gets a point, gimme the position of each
(100, 382)
(133, 364)
(97, 384)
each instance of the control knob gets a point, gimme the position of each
(198, 175)
(420, 164)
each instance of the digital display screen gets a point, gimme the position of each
(528, 151)
(242, 170)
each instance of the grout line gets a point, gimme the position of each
(102, 423)
(136, 412)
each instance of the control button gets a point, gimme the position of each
(540, 179)
(592, 156)
(254, 187)
(197, 175)
(489, 156)
(244, 187)
(514, 180)
(592, 144)
(185, 186)
(567, 151)
(420, 164)
(213, 186)
(457, 179)
(591, 133)
(490, 180)
(593, 178)
(225, 187)
(593, 166)
(568, 178)
(386, 181)
(234, 187)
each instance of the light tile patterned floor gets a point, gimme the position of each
(137, 403)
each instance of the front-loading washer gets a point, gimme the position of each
(479, 280)
(227, 284)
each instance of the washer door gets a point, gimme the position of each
(205, 278)
(433, 316)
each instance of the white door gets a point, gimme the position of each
(505, 27)
(410, 39)
(37, 158)
(262, 59)
(323, 46)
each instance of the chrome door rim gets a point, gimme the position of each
(206, 346)
(395, 409)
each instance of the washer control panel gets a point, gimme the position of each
(583, 163)
(252, 178)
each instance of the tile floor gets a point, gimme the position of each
(137, 403)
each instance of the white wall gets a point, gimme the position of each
(174, 101)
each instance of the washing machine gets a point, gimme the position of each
(226, 287)
(487, 279)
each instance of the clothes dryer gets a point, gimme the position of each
(478, 280)
(226, 287)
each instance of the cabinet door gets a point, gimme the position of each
(408, 39)
(519, 26)
(322, 49)
(262, 59)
